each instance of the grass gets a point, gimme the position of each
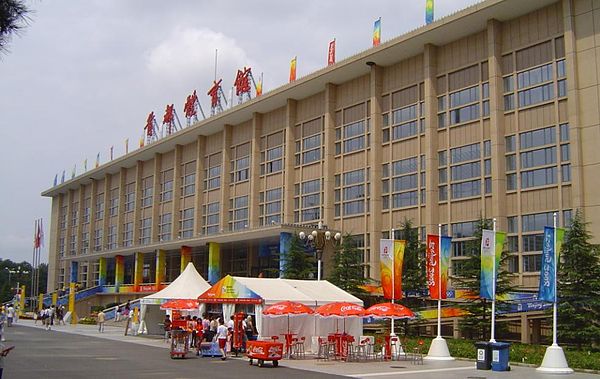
(521, 353)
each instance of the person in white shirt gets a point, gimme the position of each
(222, 333)
(230, 323)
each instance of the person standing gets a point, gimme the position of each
(2, 322)
(101, 320)
(222, 334)
(10, 314)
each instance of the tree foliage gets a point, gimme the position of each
(476, 324)
(22, 276)
(579, 287)
(13, 18)
(348, 270)
(413, 272)
(298, 263)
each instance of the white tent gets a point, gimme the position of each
(309, 292)
(188, 285)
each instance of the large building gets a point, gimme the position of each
(491, 112)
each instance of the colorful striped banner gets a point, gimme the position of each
(491, 252)
(428, 11)
(377, 32)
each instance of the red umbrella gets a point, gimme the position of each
(180, 304)
(389, 310)
(286, 308)
(340, 309)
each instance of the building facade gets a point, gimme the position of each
(491, 112)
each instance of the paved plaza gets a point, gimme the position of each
(81, 352)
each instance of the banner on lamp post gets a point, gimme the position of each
(438, 258)
(491, 253)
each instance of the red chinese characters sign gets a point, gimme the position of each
(242, 81)
(214, 93)
(169, 117)
(149, 128)
(190, 105)
(438, 257)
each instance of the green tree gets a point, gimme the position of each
(348, 270)
(13, 18)
(579, 287)
(298, 263)
(476, 324)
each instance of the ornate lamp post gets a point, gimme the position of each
(319, 239)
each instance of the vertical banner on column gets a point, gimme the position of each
(285, 239)
(73, 274)
(386, 249)
(186, 257)
(119, 271)
(214, 262)
(72, 303)
(138, 271)
(491, 253)
(102, 270)
(550, 256)
(161, 267)
(398, 262)
(40, 302)
(438, 258)
(22, 300)
(54, 298)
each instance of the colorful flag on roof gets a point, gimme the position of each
(293, 69)
(331, 53)
(377, 32)
(428, 11)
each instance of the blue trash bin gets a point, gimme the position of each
(500, 355)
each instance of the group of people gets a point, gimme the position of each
(212, 329)
(48, 315)
(8, 315)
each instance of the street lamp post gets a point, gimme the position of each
(319, 239)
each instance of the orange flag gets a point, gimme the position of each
(293, 69)
(331, 53)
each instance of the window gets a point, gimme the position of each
(513, 244)
(466, 171)
(166, 186)
(213, 177)
(270, 208)
(404, 166)
(100, 206)
(564, 132)
(211, 218)
(73, 245)
(464, 229)
(114, 202)
(241, 166)
(564, 153)
(464, 114)
(273, 161)
(540, 157)
(536, 222)
(74, 214)
(458, 268)
(408, 129)
(442, 158)
(466, 189)
(536, 95)
(128, 234)
(562, 88)
(561, 70)
(405, 199)
(85, 242)
(567, 218)
(63, 218)
(443, 193)
(164, 227)
(487, 148)
(540, 137)
(404, 114)
(534, 76)
(354, 136)
(460, 249)
(511, 182)
(532, 263)
(98, 233)
(308, 147)
(509, 83)
(510, 143)
(129, 197)
(513, 264)
(465, 153)
(465, 96)
(238, 215)
(147, 191)
(112, 237)
(86, 210)
(186, 223)
(566, 173)
(511, 162)
(188, 181)
(308, 205)
(513, 224)
(442, 175)
(145, 230)
(533, 242)
(539, 177)
(509, 102)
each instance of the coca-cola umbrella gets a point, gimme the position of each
(340, 310)
(181, 304)
(389, 310)
(287, 308)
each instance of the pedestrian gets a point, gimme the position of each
(3, 353)
(101, 320)
(49, 318)
(2, 323)
(167, 327)
(60, 314)
(118, 314)
(52, 314)
(249, 329)
(222, 334)
(214, 325)
(10, 315)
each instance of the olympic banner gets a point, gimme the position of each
(391, 260)
(550, 256)
(491, 252)
(438, 258)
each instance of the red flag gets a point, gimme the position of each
(331, 53)
(37, 234)
(41, 233)
(433, 265)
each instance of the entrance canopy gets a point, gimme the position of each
(267, 291)
(188, 285)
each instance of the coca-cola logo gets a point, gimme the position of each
(349, 308)
(257, 350)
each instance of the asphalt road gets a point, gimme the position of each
(41, 354)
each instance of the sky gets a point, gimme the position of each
(84, 75)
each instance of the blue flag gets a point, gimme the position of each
(62, 180)
(549, 258)
(55, 180)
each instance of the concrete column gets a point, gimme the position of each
(525, 332)
(186, 257)
(121, 210)
(93, 223)
(455, 329)
(161, 267)
(175, 203)
(536, 331)
(119, 271)
(138, 271)
(137, 210)
(225, 177)
(80, 219)
(102, 265)
(53, 257)
(106, 220)
(289, 171)
(198, 199)
(375, 158)
(74, 272)
(253, 221)
(156, 197)
(214, 262)
(329, 156)
(497, 130)
(432, 218)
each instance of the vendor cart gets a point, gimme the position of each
(180, 343)
(264, 351)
